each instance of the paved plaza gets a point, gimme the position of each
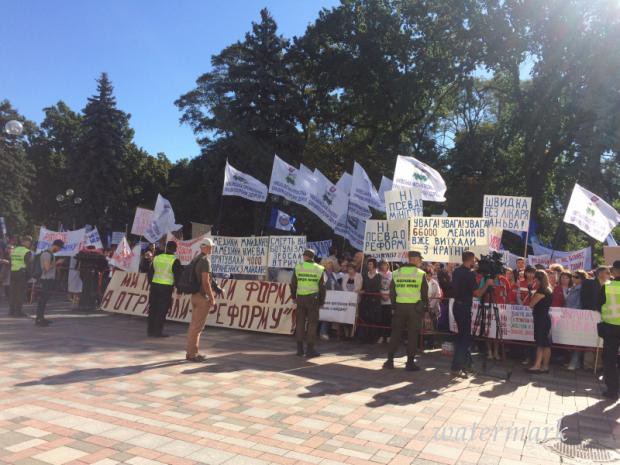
(93, 389)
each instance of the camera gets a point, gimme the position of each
(491, 266)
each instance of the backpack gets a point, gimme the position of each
(188, 282)
(36, 270)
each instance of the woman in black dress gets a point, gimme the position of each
(540, 303)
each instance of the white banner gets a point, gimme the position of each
(340, 307)
(443, 240)
(163, 220)
(92, 238)
(591, 214)
(507, 212)
(569, 326)
(576, 260)
(141, 221)
(404, 203)
(363, 192)
(285, 251)
(74, 241)
(124, 257)
(495, 239)
(117, 237)
(237, 183)
(327, 201)
(186, 250)
(344, 183)
(356, 227)
(249, 305)
(386, 185)
(289, 182)
(413, 174)
(387, 240)
(240, 255)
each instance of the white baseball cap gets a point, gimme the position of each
(206, 242)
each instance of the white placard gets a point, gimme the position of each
(286, 251)
(404, 203)
(340, 307)
(387, 240)
(507, 212)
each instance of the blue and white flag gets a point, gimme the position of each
(412, 173)
(327, 201)
(290, 182)
(591, 214)
(363, 192)
(162, 221)
(281, 220)
(320, 247)
(239, 184)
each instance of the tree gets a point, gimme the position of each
(101, 169)
(15, 172)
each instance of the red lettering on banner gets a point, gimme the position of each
(276, 315)
(131, 296)
(119, 300)
(251, 287)
(217, 317)
(233, 313)
(126, 282)
(106, 298)
(141, 301)
(257, 311)
(244, 316)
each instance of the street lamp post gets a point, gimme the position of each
(68, 201)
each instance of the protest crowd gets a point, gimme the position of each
(408, 279)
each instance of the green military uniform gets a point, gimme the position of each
(20, 260)
(610, 332)
(409, 291)
(308, 288)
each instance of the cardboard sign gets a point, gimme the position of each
(507, 212)
(250, 305)
(569, 326)
(340, 307)
(387, 240)
(141, 221)
(240, 255)
(444, 239)
(403, 204)
(286, 251)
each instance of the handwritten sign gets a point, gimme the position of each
(240, 255)
(387, 240)
(339, 307)
(403, 204)
(507, 212)
(250, 305)
(443, 240)
(142, 220)
(286, 251)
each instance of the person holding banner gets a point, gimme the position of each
(163, 275)
(308, 291)
(21, 259)
(609, 330)
(409, 290)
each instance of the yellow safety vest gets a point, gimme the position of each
(18, 258)
(610, 311)
(308, 275)
(162, 267)
(408, 284)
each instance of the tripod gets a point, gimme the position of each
(487, 305)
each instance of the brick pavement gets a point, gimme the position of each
(91, 389)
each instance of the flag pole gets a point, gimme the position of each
(264, 216)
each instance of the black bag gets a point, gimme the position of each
(36, 270)
(189, 282)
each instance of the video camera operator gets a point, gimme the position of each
(465, 288)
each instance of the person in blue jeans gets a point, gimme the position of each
(465, 288)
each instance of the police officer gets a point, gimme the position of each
(609, 330)
(308, 290)
(163, 274)
(410, 292)
(21, 262)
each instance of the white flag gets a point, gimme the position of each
(591, 214)
(243, 185)
(412, 173)
(304, 169)
(289, 182)
(344, 183)
(163, 220)
(326, 201)
(363, 194)
(386, 185)
(124, 257)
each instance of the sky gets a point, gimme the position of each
(152, 50)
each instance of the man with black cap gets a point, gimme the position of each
(308, 291)
(409, 291)
(163, 274)
(21, 260)
(609, 330)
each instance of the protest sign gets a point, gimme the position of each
(575, 260)
(92, 238)
(250, 305)
(611, 254)
(186, 250)
(495, 239)
(141, 220)
(507, 212)
(117, 237)
(124, 257)
(387, 240)
(239, 255)
(441, 239)
(404, 203)
(569, 326)
(285, 251)
(74, 241)
(320, 247)
(339, 307)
